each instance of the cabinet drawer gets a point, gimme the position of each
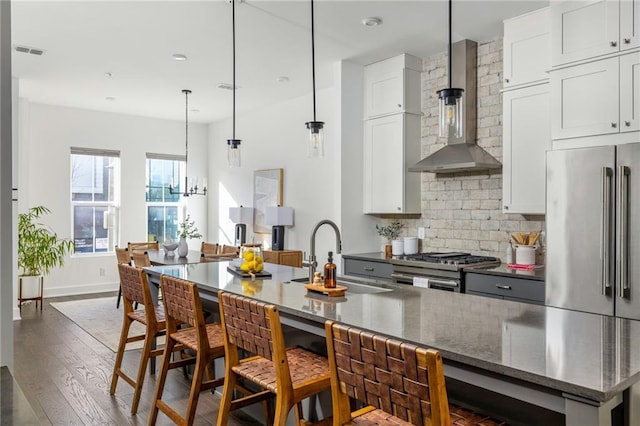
(507, 287)
(366, 268)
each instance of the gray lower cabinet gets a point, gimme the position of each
(368, 268)
(502, 287)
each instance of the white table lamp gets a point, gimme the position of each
(240, 216)
(278, 217)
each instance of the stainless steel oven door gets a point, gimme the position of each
(446, 285)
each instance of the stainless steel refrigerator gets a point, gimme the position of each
(593, 238)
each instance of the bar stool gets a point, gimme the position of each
(183, 306)
(122, 256)
(135, 288)
(291, 374)
(400, 383)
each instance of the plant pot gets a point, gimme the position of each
(183, 248)
(397, 247)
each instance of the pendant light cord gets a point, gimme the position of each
(186, 127)
(233, 30)
(450, 61)
(313, 62)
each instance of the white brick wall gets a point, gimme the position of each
(463, 211)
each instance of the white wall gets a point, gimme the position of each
(325, 188)
(47, 134)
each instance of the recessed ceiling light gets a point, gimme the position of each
(196, 110)
(109, 74)
(179, 57)
(226, 86)
(372, 21)
(282, 79)
(110, 98)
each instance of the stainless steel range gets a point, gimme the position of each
(437, 270)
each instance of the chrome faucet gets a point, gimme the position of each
(312, 264)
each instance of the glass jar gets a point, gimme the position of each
(251, 260)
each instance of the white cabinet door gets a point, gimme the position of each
(389, 142)
(630, 92)
(584, 29)
(525, 141)
(585, 100)
(527, 47)
(392, 86)
(629, 24)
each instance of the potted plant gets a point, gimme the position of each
(187, 229)
(390, 232)
(39, 248)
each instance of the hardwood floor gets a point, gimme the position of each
(65, 376)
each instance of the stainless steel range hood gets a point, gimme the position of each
(461, 154)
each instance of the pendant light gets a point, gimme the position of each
(189, 189)
(450, 101)
(316, 128)
(233, 144)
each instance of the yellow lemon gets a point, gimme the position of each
(259, 259)
(258, 266)
(248, 255)
(244, 267)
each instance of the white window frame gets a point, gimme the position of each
(180, 204)
(113, 206)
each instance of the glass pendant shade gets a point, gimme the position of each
(316, 139)
(233, 153)
(451, 112)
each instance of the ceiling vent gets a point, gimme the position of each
(32, 50)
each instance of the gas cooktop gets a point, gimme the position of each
(445, 260)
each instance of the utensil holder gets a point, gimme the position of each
(397, 247)
(526, 255)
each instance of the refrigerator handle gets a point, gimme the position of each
(605, 244)
(622, 272)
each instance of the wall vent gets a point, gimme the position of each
(31, 50)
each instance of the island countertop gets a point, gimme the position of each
(585, 355)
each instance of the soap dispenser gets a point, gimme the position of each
(330, 272)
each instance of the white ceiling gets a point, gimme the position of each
(134, 40)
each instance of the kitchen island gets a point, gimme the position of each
(581, 365)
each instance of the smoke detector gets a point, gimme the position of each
(31, 50)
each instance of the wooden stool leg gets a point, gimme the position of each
(126, 324)
(166, 360)
(283, 406)
(196, 384)
(144, 360)
(230, 381)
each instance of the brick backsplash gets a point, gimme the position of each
(463, 211)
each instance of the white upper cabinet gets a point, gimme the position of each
(630, 92)
(596, 98)
(527, 43)
(391, 145)
(392, 86)
(585, 99)
(525, 140)
(587, 29)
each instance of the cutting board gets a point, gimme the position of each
(243, 274)
(331, 292)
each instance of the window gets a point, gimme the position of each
(95, 185)
(164, 210)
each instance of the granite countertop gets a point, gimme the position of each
(503, 271)
(587, 355)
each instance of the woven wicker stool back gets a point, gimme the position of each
(182, 302)
(134, 284)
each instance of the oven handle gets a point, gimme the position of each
(402, 277)
(451, 284)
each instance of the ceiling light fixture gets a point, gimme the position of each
(179, 57)
(316, 132)
(372, 21)
(282, 79)
(450, 100)
(190, 188)
(233, 144)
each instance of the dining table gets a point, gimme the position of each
(161, 257)
(584, 367)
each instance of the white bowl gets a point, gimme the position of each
(170, 247)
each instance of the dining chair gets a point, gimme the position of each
(141, 259)
(292, 375)
(135, 289)
(143, 246)
(122, 256)
(234, 251)
(398, 383)
(209, 248)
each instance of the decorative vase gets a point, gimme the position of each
(183, 248)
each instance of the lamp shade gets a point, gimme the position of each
(241, 214)
(278, 216)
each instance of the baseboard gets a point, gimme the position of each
(16, 314)
(80, 289)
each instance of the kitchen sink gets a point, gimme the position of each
(353, 288)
